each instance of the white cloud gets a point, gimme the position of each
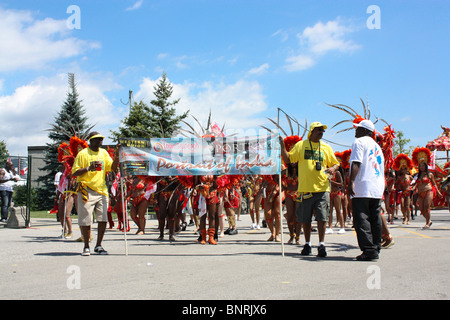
(322, 38)
(318, 40)
(135, 6)
(31, 108)
(28, 43)
(299, 63)
(259, 70)
(282, 34)
(237, 105)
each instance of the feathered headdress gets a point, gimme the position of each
(76, 145)
(210, 131)
(68, 152)
(420, 155)
(290, 141)
(401, 161)
(344, 158)
(387, 143)
(186, 181)
(355, 117)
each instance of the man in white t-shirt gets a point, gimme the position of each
(366, 189)
(8, 177)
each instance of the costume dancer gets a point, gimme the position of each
(208, 203)
(403, 164)
(424, 184)
(167, 206)
(142, 188)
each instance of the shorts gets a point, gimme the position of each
(317, 203)
(97, 203)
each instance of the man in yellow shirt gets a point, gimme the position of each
(316, 163)
(90, 168)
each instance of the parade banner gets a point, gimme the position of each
(201, 156)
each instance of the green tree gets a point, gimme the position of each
(400, 144)
(139, 123)
(4, 154)
(157, 121)
(163, 112)
(70, 120)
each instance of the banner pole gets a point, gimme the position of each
(65, 212)
(281, 215)
(124, 211)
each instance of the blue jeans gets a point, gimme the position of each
(6, 197)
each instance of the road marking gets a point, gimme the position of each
(419, 234)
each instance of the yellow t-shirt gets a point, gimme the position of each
(310, 179)
(95, 180)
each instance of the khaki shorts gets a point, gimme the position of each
(97, 203)
(309, 204)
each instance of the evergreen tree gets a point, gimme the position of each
(158, 121)
(4, 154)
(138, 124)
(70, 120)
(163, 113)
(400, 144)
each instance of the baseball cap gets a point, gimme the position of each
(366, 124)
(94, 135)
(314, 125)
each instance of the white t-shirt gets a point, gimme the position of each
(9, 185)
(57, 178)
(369, 182)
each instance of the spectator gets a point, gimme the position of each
(316, 163)
(7, 178)
(366, 188)
(90, 167)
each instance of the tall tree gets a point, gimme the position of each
(163, 112)
(400, 144)
(4, 154)
(69, 121)
(160, 120)
(139, 123)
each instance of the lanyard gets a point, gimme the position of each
(312, 150)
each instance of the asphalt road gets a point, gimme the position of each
(35, 263)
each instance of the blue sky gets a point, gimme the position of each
(241, 59)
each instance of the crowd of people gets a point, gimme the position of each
(345, 189)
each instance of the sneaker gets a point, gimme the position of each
(341, 231)
(258, 227)
(233, 232)
(253, 226)
(329, 231)
(100, 250)
(306, 250)
(86, 252)
(321, 252)
(68, 235)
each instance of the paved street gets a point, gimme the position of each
(36, 263)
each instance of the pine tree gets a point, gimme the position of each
(70, 120)
(138, 124)
(4, 154)
(158, 121)
(163, 113)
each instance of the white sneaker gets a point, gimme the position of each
(329, 231)
(253, 226)
(86, 252)
(258, 227)
(341, 231)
